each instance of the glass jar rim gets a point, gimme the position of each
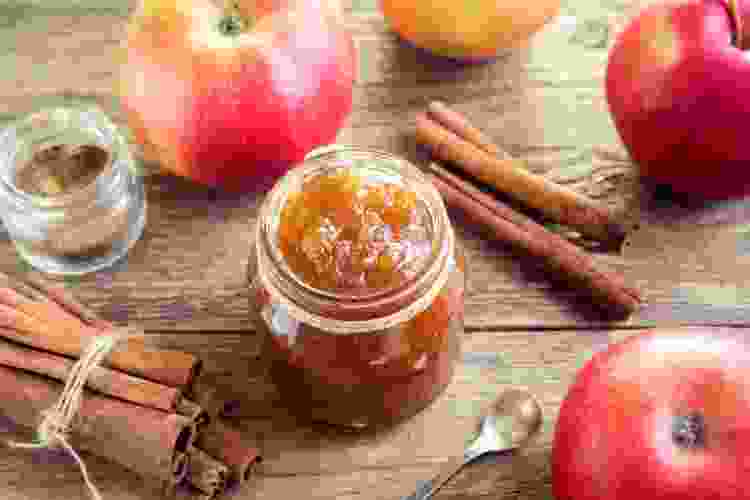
(345, 313)
(66, 119)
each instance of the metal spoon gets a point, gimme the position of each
(522, 419)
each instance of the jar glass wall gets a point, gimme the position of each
(370, 350)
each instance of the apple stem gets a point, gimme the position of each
(688, 431)
(737, 19)
(233, 22)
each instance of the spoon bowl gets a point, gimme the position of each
(515, 418)
(524, 413)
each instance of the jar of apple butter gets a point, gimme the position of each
(357, 286)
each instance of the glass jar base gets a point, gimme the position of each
(372, 405)
(80, 265)
(375, 423)
(364, 423)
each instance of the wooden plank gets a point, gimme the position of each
(332, 464)
(186, 273)
(361, 466)
(543, 103)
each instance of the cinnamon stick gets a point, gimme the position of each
(193, 411)
(557, 253)
(144, 440)
(189, 493)
(180, 465)
(509, 175)
(104, 380)
(459, 125)
(205, 473)
(227, 444)
(56, 325)
(58, 295)
(212, 392)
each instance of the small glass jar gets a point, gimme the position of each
(86, 227)
(353, 359)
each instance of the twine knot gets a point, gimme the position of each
(54, 429)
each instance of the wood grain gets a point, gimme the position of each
(187, 272)
(299, 457)
(184, 281)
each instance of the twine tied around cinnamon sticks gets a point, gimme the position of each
(55, 426)
(145, 408)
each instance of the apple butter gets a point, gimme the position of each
(357, 285)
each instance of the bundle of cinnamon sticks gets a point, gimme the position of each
(451, 138)
(140, 408)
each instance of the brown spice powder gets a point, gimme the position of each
(63, 170)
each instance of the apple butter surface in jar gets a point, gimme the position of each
(357, 285)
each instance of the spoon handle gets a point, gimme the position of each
(447, 471)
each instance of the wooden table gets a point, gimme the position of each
(184, 282)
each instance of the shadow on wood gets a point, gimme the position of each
(661, 204)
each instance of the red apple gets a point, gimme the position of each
(662, 415)
(234, 95)
(678, 89)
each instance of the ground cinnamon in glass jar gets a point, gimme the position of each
(357, 285)
(58, 169)
(72, 197)
(65, 170)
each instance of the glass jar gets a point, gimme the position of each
(81, 228)
(353, 358)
